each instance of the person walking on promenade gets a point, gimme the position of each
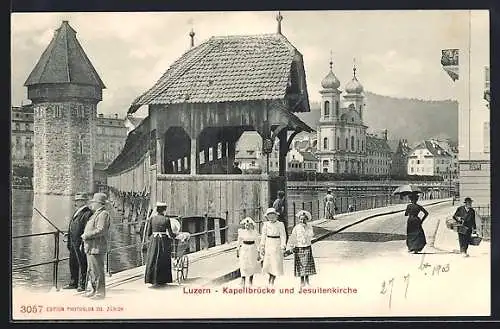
(77, 257)
(300, 244)
(247, 252)
(330, 206)
(158, 258)
(272, 245)
(415, 236)
(466, 216)
(95, 239)
(236, 169)
(280, 206)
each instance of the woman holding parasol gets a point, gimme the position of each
(415, 236)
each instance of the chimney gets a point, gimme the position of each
(116, 115)
(385, 134)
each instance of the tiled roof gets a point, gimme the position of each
(308, 156)
(375, 144)
(64, 61)
(225, 69)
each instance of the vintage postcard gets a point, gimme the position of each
(231, 165)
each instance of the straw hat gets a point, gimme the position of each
(80, 197)
(305, 213)
(247, 220)
(100, 198)
(271, 211)
(467, 199)
(161, 204)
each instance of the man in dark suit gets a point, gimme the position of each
(95, 238)
(77, 257)
(280, 206)
(467, 217)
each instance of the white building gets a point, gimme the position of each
(429, 159)
(341, 131)
(474, 111)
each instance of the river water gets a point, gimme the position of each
(30, 250)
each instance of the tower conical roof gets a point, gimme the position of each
(64, 61)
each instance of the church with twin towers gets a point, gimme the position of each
(344, 147)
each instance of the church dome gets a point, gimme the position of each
(330, 81)
(354, 87)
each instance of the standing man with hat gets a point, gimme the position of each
(95, 238)
(77, 257)
(466, 216)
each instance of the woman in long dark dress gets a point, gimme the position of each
(158, 258)
(415, 236)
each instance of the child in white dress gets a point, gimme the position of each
(247, 252)
(272, 244)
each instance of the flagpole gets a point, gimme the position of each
(468, 91)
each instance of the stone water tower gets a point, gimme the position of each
(64, 88)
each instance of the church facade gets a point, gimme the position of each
(341, 131)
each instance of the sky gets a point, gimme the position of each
(397, 53)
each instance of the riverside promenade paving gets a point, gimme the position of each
(218, 266)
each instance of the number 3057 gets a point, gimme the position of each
(31, 308)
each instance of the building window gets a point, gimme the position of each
(358, 145)
(346, 143)
(326, 163)
(337, 108)
(325, 143)
(185, 162)
(327, 109)
(202, 157)
(352, 143)
(27, 126)
(219, 150)
(362, 146)
(57, 111)
(338, 143)
(179, 165)
(18, 126)
(210, 154)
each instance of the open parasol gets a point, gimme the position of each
(406, 190)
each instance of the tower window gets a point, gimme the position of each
(337, 108)
(352, 143)
(325, 143)
(80, 144)
(327, 108)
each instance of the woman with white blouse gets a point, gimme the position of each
(247, 252)
(300, 244)
(272, 244)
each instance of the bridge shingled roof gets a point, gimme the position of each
(226, 69)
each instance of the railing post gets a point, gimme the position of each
(294, 212)
(205, 235)
(226, 229)
(108, 270)
(56, 259)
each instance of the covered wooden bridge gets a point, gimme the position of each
(183, 152)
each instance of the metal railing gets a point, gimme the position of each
(56, 257)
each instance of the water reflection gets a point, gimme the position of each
(30, 250)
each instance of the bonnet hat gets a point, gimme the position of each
(305, 213)
(247, 220)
